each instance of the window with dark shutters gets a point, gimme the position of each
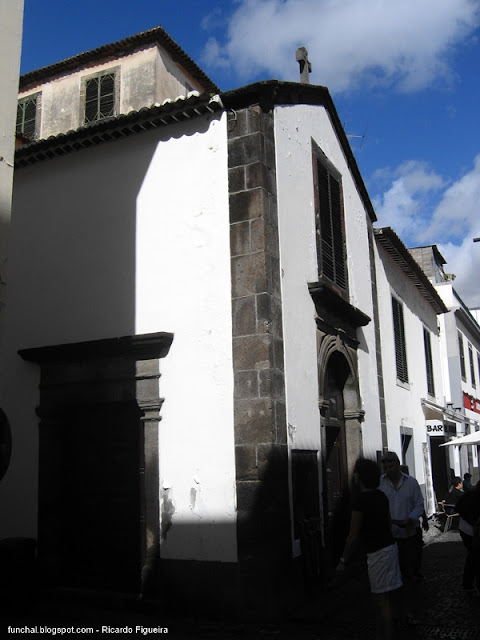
(472, 366)
(329, 223)
(400, 344)
(428, 361)
(27, 117)
(100, 97)
(462, 357)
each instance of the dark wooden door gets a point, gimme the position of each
(91, 527)
(335, 464)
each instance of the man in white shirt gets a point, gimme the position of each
(406, 507)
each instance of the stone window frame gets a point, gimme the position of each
(83, 92)
(333, 271)
(37, 97)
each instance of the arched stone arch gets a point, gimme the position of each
(341, 415)
(332, 349)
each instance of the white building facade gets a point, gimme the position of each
(200, 361)
(460, 352)
(410, 310)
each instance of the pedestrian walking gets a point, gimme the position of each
(418, 532)
(468, 507)
(370, 527)
(406, 506)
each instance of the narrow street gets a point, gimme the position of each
(344, 613)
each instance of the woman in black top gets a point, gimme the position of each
(371, 526)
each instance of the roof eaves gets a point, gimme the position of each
(270, 93)
(468, 320)
(122, 126)
(157, 35)
(403, 259)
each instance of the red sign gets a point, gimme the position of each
(469, 402)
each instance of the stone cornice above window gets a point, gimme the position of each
(335, 312)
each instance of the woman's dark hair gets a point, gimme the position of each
(368, 473)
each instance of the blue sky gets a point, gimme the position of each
(403, 74)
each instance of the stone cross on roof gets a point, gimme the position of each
(305, 64)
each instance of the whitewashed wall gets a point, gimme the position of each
(11, 16)
(295, 126)
(403, 402)
(126, 238)
(183, 286)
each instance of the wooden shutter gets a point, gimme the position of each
(462, 357)
(472, 367)
(27, 118)
(100, 97)
(107, 95)
(429, 362)
(329, 226)
(400, 344)
(91, 100)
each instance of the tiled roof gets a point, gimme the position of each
(94, 133)
(116, 49)
(400, 255)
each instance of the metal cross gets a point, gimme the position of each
(305, 64)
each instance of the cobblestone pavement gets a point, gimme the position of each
(344, 613)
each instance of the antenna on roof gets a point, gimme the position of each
(353, 135)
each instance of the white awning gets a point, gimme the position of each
(471, 438)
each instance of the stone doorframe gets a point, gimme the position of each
(123, 368)
(327, 345)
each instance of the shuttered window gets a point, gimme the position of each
(461, 353)
(429, 362)
(472, 365)
(100, 97)
(400, 344)
(329, 224)
(27, 117)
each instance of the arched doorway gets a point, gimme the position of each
(335, 467)
(341, 417)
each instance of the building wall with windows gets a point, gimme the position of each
(265, 396)
(140, 80)
(460, 343)
(409, 310)
(308, 128)
(141, 69)
(460, 351)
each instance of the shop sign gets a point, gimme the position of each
(469, 402)
(435, 428)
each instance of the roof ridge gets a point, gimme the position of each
(121, 47)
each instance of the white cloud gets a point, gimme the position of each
(457, 214)
(424, 209)
(213, 55)
(402, 42)
(403, 204)
(464, 261)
